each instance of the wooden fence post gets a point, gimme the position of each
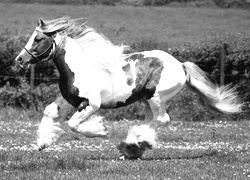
(222, 63)
(32, 77)
(32, 85)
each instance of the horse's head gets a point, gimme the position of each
(40, 46)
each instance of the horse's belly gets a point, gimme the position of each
(117, 90)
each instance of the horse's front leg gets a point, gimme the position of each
(84, 122)
(50, 128)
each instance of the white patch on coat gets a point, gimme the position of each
(29, 43)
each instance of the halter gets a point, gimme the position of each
(36, 58)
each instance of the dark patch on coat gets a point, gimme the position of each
(128, 72)
(66, 80)
(148, 73)
(136, 56)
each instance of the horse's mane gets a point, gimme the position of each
(96, 46)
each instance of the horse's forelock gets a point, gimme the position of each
(50, 26)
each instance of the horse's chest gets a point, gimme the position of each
(67, 88)
(69, 91)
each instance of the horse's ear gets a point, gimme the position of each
(40, 22)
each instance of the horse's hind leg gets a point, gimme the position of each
(160, 115)
(148, 111)
(50, 128)
(143, 137)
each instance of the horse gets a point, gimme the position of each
(97, 74)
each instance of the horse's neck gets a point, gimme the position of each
(62, 66)
(86, 58)
(72, 61)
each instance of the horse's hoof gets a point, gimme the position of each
(40, 148)
(130, 151)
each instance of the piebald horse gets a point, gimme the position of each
(95, 73)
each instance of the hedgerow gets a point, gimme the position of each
(232, 3)
(16, 91)
(219, 3)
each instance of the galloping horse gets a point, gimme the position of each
(94, 74)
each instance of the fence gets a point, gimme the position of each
(223, 54)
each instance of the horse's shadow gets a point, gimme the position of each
(211, 154)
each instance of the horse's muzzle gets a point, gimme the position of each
(22, 62)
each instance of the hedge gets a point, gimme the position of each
(198, 3)
(15, 90)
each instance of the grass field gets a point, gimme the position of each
(197, 150)
(187, 150)
(127, 24)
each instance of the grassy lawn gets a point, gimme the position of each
(188, 150)
(128, 24)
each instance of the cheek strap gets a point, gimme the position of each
(37, 58)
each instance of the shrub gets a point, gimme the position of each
(18, 96)
(22, 96)
(207, 55)
(148, 44)
(84, 2)
(232, 3)
(10, 46)
(148, 2)
(155, 2)
(16, 91)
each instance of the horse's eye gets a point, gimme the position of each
(37, 39)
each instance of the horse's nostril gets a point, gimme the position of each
(19, 59)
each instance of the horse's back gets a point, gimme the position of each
(167, 59)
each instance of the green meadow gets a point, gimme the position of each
(186, 150)
(213, 149)
(125, 24)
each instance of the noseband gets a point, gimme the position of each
(37, 58)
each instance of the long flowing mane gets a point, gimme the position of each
(97, 47)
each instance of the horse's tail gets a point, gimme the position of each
(222, 99)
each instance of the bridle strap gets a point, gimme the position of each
(37, 57)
